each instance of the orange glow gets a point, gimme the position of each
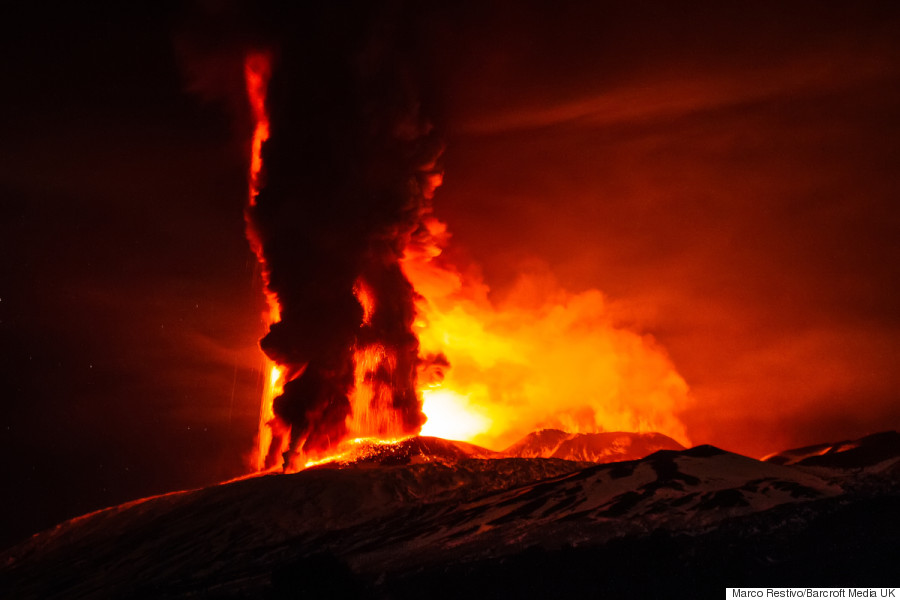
(451, 416)
(540, 358)
(373, 415)
(366, 300)
(257, 70)
(274, 378)
(274, 387)
(372, 411)
(352, 449)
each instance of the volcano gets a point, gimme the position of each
(446, 519)
(592, 447)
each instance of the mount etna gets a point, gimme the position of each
(443, 519)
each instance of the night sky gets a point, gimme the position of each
(727, 176)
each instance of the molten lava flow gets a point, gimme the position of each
(541, 358)
(372, 413)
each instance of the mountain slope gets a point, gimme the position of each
(848, 454)
(591, 447)
(678, 491)
(376, 526)
(238, 529)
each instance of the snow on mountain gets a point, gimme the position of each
(385, 519)
(591, 447)
(691, 490)
(229, 530)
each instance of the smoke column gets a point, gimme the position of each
(347, 173)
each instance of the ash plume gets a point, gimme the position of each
(349, 170)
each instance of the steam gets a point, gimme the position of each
(348, 171)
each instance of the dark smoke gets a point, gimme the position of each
(345, 182)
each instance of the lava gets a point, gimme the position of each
(372, 333)
(333, 203)
(372, 413)
(257, 71)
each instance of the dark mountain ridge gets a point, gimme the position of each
(847, 454)
(401, 522)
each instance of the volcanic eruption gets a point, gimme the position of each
(452, 439)
(367, 319)
(344, 167)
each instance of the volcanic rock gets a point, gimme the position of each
(590, 447)
(413, 450)
(426, 519)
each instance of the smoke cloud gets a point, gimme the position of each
(348, 171)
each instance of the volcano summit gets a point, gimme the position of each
(439, 518)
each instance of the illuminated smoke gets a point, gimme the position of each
(344, 177)
(540, 357)
(343, 170)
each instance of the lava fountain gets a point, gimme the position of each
(333, 203)
(257, 70)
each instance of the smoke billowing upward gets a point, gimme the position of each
(348, 171)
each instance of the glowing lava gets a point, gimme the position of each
(372, 412)
(485, 370)
(257, 70)
(330, 376)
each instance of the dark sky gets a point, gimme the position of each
(726, 175)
